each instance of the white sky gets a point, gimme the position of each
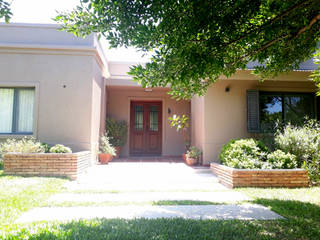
(42, 11)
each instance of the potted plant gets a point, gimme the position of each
(107, 151)
(181, 123)
(117, 131)
(193, 155)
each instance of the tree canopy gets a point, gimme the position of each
(194, 42)
(5, 11)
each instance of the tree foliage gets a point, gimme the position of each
(5, 11)
(195, 41)
(316, 73)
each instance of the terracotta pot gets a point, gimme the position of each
(105, 158)
(191, 161)
(118, 150)
(184, 157)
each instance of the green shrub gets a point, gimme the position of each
(105, 145)
(1, 163)
(244, 154)
(313, 167)
(24, 145)
(301, 141)
(117, 132)
(59, 148)
(281, 160)
(304, 143)
(46, 147)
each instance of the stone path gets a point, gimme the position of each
(112, 187)
(225, 212)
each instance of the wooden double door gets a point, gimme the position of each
(145, 128)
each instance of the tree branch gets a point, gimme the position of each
(269, 22)
(313, 21)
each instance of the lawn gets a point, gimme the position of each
(300, 207)
(19, 194)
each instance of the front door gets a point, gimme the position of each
(145, 128)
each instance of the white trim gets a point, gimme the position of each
(87, 48)
(30, 25)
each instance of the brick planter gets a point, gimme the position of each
(47, 164)
(232, 177)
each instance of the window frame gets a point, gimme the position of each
(284, 94)
(16, 109)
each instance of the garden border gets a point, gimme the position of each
(69, 165)
(232, 177)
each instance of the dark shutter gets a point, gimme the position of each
(253, 115)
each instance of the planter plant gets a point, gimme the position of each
(193, 155)
(117, 132)
(107, 151)
(181, 123)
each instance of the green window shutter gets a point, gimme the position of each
(253, 115)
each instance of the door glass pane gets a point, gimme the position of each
(25, 110)
(154, 124)
(296, 107)
(138, 122)
(6, 109)
(271, 111)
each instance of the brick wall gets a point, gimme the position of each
(47, 164)
(232, 177)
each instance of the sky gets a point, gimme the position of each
(42, 11)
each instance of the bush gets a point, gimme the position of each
(303, 142)
(117, 132)
(105, 145)
(244, 154)
(46, 147)
(24, 145)
(281, 160)
(1, 163)
(59, 148)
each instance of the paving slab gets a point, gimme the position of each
(217, 197)
(221, 212)
(124, 176)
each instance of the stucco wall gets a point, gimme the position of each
(68, 83)
(225, 113)
(197, 122)
(118, 107)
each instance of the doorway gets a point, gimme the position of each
(145, 128)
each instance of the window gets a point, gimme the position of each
(267, 108)
(16, 110)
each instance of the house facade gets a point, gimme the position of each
(60, 89)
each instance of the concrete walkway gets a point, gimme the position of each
(105, 187)
(221, 212)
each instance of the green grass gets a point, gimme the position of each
(19, 194)
(300, 207)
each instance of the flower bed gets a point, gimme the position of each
(232, 177)
(47, 164)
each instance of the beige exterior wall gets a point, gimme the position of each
(225, 113)
(68, 80)
(118, 107)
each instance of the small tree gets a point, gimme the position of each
(181, 123)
